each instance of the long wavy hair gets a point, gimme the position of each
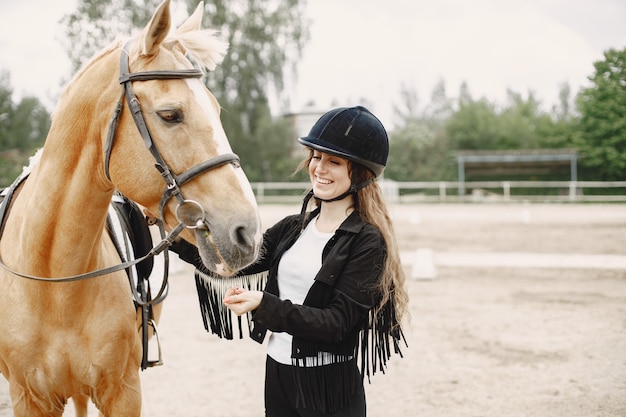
(370, 205)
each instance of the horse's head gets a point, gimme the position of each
(204, 187)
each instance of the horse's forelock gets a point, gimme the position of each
(202, 45)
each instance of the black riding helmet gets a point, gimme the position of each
(353, 133)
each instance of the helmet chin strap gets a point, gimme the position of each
(351, 191)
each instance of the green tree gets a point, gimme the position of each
(96, 23)
(564, 121)
(23, 128)
(522, 123)
(30, 124)
(519, 124)
(602, 127)
(6, 107)
(265, 37)
(474, 126)
(440, 107)
(417, 149)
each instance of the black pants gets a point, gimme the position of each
(280, 395)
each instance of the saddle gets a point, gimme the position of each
(129, 231)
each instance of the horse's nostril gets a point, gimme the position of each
(239, 236)
(242, 236)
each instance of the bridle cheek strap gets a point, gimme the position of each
(173, 182)
(126, 80)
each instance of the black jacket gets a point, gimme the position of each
(344, 291)
(337, 315)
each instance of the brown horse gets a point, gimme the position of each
(129, 108)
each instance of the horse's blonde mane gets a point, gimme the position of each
(203, 46)
(33, 160)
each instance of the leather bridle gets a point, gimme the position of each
(173, 182)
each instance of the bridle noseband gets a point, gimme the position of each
(173, 182)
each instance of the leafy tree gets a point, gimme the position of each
(417, 153)
(6, 107)
(96, 23)
(440, 107)
(23, 128)
(30, 124)
(564, 121)
(523, 124)
(417, 149)
(266, 38)
(565, 110)
(519, 124)
(474, 126)
(602, 126)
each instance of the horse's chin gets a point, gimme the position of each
(211, 256)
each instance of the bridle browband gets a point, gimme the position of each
(173, 182)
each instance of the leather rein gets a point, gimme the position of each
(173, 182)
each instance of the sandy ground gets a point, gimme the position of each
(540, 332)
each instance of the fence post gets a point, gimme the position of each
(390, 190)
(506, 190)
(572, 190)
(260, 192)
(442, 191)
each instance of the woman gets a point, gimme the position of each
(335, 291)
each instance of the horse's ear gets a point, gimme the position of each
(194, 22)
(157, 29)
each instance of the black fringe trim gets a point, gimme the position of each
(217, 318)
(377, 341)
(324, 380)
(327, 388)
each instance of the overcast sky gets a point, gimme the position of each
(369, 49)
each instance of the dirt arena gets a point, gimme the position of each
(517, 310)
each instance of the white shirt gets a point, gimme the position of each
(296, 273)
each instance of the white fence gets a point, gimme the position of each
(450, 191)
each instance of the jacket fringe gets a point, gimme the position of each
(217, 318)
(376, 342)
(325, 381)
(326, 388)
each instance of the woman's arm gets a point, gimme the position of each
(352, 298)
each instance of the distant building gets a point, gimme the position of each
(300, 124)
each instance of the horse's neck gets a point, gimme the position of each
(61, 210)
(67, 187)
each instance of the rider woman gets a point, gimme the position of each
(335, 293)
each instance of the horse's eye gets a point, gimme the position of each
(170, 116)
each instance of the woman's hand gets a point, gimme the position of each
(241, 301)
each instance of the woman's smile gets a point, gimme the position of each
(329, 174)
(322, 180)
